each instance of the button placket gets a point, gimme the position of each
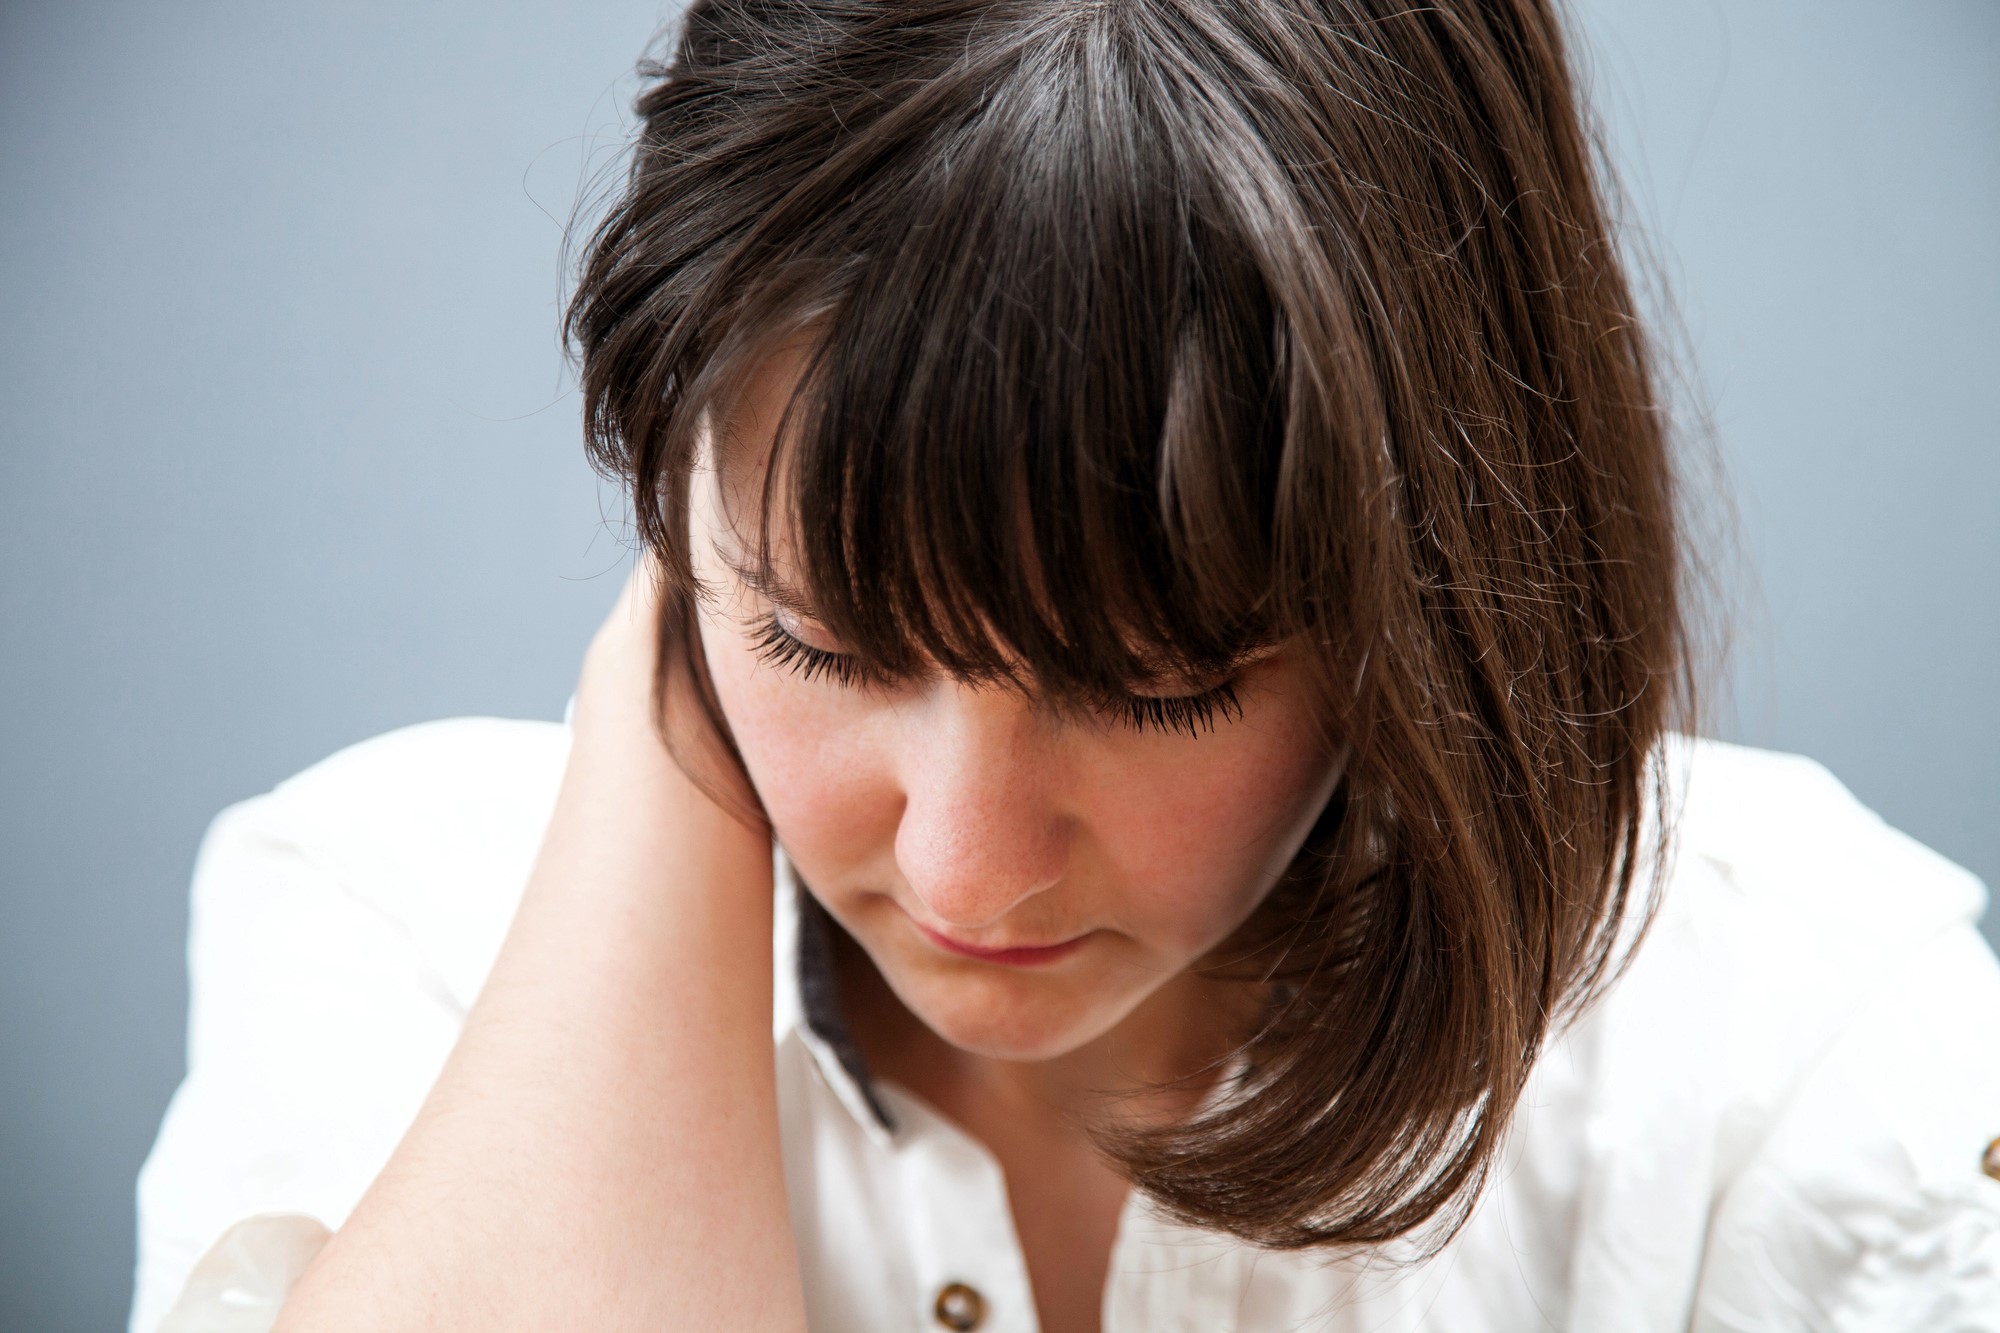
(966, 1252)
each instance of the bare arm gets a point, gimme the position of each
(601, 1149)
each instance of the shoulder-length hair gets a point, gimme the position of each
(1144, 330)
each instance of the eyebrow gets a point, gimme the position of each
(768, 586)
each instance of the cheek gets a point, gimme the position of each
(811, 753)
(1201, 840)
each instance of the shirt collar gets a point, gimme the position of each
(806, 1000)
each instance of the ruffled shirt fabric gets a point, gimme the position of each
(1776, 1119)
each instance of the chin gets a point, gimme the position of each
(1001, 1018)
(1005, 1041)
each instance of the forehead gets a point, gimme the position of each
(745, 416)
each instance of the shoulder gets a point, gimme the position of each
(470, 773)
(1789, 908)
(1784, 832)
(341, 924)
(433, 826)
(1801, 1064)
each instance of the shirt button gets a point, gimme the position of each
(1990, 1163)
(959, 1307)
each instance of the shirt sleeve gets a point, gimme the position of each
(1868, 1205)
(316, 1028)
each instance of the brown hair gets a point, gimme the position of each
(1271, 318)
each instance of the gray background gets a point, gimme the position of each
(290, 456)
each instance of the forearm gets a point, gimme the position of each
(601, 1150)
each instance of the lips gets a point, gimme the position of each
(1020, 956)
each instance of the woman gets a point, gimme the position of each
(1161, 512)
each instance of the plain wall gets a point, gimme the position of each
(291, 458)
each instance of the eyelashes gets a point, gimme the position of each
(781, 649)
(1187, 715)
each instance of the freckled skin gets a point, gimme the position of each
(994, 822)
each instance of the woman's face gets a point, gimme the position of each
(937, 819)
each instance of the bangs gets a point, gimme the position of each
(1039, 427)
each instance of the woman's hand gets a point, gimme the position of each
(601, 1150)
(614, 720)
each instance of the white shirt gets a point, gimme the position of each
(1776, 1119)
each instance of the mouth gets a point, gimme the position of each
(1019, 956)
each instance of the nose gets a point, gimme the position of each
(984, 828)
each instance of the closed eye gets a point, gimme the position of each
(1184, 714)
(781, 648)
